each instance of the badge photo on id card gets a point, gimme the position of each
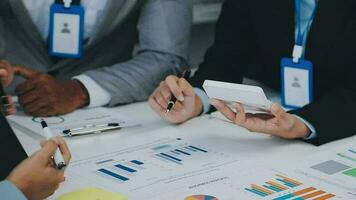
(66, 31)
(297, 83)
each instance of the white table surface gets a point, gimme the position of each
(259, 148)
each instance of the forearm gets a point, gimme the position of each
(136, 79)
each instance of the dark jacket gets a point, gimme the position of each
(252, 36)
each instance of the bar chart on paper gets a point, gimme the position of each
(285, 188)
(150, 165)
(336, 166)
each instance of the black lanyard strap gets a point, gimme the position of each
(74, 2)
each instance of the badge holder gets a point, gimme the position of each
(297, 80)
(66, 30)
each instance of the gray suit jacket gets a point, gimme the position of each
(136, 45)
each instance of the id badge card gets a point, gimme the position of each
(66, 31)
(297, 83)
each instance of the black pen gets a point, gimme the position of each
(4, 100)
(173, 100)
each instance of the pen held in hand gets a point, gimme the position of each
(58, 157)
(173, 100)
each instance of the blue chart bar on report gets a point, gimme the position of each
(121, 171)
(176, 154)
(113, 174)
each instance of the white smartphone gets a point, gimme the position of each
(252, 97)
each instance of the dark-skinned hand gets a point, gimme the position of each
(42, 95)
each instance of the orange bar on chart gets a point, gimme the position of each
(314, 194)
(325, 197)
(282, 187)
(261, 189)
(306, 190)
(290, 180)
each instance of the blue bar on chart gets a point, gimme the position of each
(276, 189)
(262, 194)
(287, 183)
(168, 159)
(104, 161)
(161, 147)
(171, 157)
(183, 152)
(113, 174)
(198, 149)
(352, 151)
(127, 169)
(137, 162)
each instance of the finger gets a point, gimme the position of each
(63, 147)
(224, 109)
(161, 100)
(278, 112)
(3, 73)
(26, 87)
(155, 106)
(172, 83)
(166, 93)
(185, 86)
(25, 72)
(47, 151)
(29, 97)
(240, 113)
(45, 112)
(35, 106)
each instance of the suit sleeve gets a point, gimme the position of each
(227, 58)
(164, 31)
(333, 113)
(10, 191)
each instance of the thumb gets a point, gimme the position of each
(278, 112)
(25, 72)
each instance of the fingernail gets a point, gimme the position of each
(181, 97)
(235, 104)
(214, 102)
(274, 108)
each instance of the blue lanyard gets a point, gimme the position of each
(300, 36)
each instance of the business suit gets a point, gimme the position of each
(253, 36)
(136, 44)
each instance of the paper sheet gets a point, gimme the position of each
(92, 194)
(79, 118)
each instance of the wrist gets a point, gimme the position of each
(198, 107)
(301, 130)
(79, 93)
(20, 185)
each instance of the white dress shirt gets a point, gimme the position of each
(94, 10)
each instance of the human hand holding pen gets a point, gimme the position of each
(37, 176)
(187, 106)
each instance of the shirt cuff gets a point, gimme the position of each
(313, 133)
(10, 191)
(204, 98)
(98, 95)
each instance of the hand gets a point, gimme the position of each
(42, 95)
(278, 123)
(188, 104)
(37, 177)
(7, 76)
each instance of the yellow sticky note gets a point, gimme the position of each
(92, 194)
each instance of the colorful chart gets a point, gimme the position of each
(283, 183)
(201, 197)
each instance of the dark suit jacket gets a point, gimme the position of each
(252, 36)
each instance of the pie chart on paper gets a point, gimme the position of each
(201, 197)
